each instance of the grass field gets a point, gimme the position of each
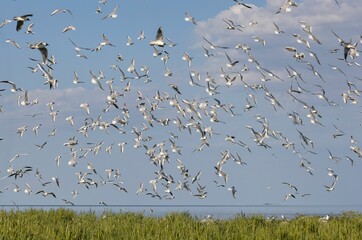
(68, 224)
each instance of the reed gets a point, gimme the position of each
(68, 224)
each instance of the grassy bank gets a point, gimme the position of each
(67, 224)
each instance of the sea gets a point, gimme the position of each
(202, 211)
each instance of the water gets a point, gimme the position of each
(200, 211)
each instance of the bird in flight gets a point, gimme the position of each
(41, 46)
(20, 20)
(159, 39)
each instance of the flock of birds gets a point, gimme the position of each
(172, 116)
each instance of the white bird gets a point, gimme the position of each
(3, 23)
(112, 14)
(70, 120)
(141, 36)
(189, 18)
(56, 11)
(233, 191)
(29, 29)
(41, 46)
(22, 130)
(85, 106)
(68, 28)
(159, 39)
(20, 20)
(96, 80)
(12, 42)
(286, 7)
(129, 41)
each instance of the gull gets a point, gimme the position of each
(76, 79)
(20, 20)
(357, 151)
(16, 156)
(99, 9)
(230, 63)
(56, 180)
(259, 40)
(16, 188)
(170, 43)
(22, 130)
(52, 133)
(308, 29)
(314, 55)
(57, 160)
(51, 106)
(53, 83)
(231, 26)
(277, 29)
(45, 194)
(119, 57)
(29, 29)
(68, 202)
(85, 106)
(164, 57)
(141, 36)
(106, 41)
(349, 48)
(27, 189)
(25, 101)
(68, 28)
(168, 72)
(70, 120)
(218, 184)
(121, 146)
(212, 46)
(112, 14)
(74, 193)
(291, 186)
(286, 7)
(315, 72)
(129, 41)
(233, 191)
(325, 218)
(40, 147)
(197, 177)
(288, 196)
(13, 86)
(238, 159)
(186, 57)
(207, 52)
(12, 42)
(290, 49)
(301, 40)
(332, 187)
(332, 157)
(41, 46)
(56, 11)
(53, 115)
(240, 2)
(189, 18)
(3, 23)
(96, 80)
(338, 69)
(159, 39)
(131, 68)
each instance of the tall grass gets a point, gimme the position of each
(67, 224)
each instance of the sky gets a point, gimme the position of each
(227, 112)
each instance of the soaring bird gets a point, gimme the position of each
(159, 39)
(41, 46)
(20, 20)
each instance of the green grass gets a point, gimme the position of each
(67, 224)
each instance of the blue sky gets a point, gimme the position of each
(260, 180)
